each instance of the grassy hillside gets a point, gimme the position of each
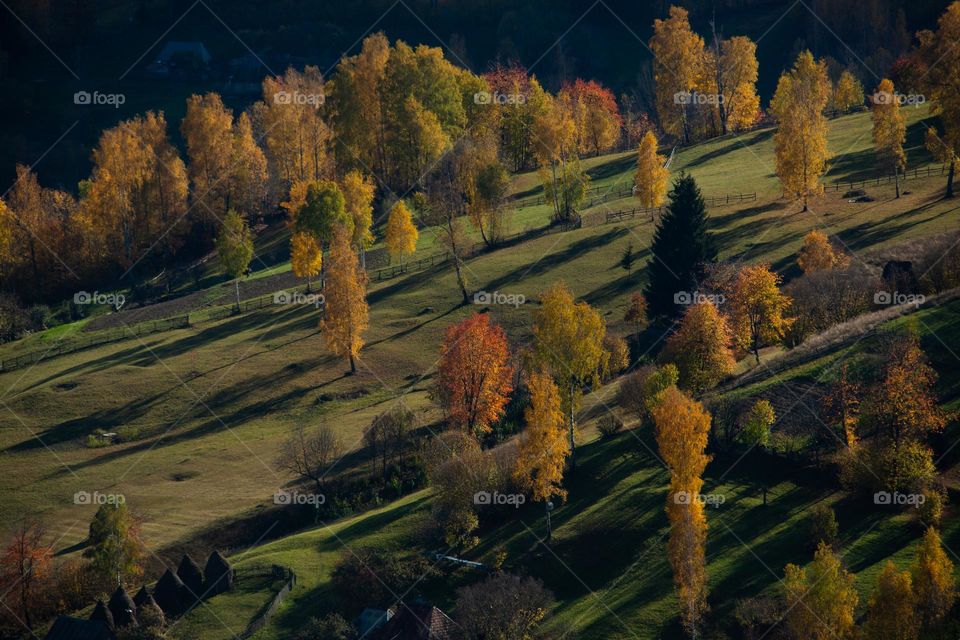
(207, 407)
(624, 590)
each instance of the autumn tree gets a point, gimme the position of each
(235, 248)
(543, 447)
(207, 131)
(596, 115)
(821, 598)
(818, 254)
(682, 428)
(651, 177)
(358, 192)
(136, 198)
(889, 130)
(297, 138)
(681, 248)
(841, 405)
(401, 233)
(357, 109)
(569, 344)
(701, 348)
(248, 177)
(891, 613)
(848, 93)
(735, 76)
(346, 313)
(490, 184)
(757, 308)
(24, 564)
(800, 142)
(526, 101)
(941, 86)
(474, 377)
(904, 405)
(636, 314)
(306, 257)
(943, 152)
(933, 581)
(678, 69)
(563, 179)
(114, 546)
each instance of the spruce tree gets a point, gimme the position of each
(681, 247)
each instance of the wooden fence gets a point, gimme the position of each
(920, 172)
(261, 620)
(104, 337)
(655, 212)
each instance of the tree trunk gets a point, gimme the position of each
(896, 180)
(573, 445)
(236, 283)
(353, 365)
(953, 164)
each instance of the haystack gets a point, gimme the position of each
(122, 608)
(191, 575)
(102, 613)
(168, 593)
(219, 574)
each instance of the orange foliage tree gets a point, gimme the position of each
(346, 314)
(24, 563)
(543, 446)
(681, 429)
(475, 374)
(757, 308)
(701, 348)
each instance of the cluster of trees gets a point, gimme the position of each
(702, 89)
(820, 600)
(36, 586)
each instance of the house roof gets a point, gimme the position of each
(175, 47)
(70, 628)
(419, 622)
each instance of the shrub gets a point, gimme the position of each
(609, 425)
(330, 627)
(617, 355)
(502, 606)
(823, 526)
